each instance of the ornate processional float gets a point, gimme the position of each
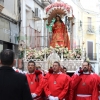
(61, 47)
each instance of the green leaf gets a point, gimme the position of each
(21, 54)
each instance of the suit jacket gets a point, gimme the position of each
(13, 85)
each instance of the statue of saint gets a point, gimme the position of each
(60, 34)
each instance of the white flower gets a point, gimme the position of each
(88, 59)
(51, 47)
(20, 48)
(57, 46)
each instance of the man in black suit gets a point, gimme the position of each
(13, 85)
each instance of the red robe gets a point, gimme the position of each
(85, 85)
(68, 93)
(56, 85)
(97, 81)
(60, 36)
(35, 87)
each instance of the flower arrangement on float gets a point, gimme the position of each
(40, 54)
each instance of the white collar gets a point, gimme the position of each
(30, 73)
(14, 68)
(57, 73)
(86, 73)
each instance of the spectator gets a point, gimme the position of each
(13, 85)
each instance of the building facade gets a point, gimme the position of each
(84, 30)
(9, 24)
(33, 25)
(98, 32)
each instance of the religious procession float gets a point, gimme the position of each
(60, 48)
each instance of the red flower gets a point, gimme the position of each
(80, 71)
(50, 70)
(38, 72)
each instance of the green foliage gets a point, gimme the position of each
(21, 54)
(78, 51)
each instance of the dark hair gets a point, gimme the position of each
(86, 62)
(57, 63)
(64, 68)
(7, 57)
(59, 20)
(31, 62)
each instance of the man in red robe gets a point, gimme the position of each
(84, 85)
(57, 83)
(97, 79)
(65, 72)
(35, 80)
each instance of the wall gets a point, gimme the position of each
(76, 17)
(87, 4)
(27, 17)
(23, 22)
(90, 36)
(11, 8)
(10, 5)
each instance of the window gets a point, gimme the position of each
(89, 22)
(4, 30)
(90, 49)
(90, 28)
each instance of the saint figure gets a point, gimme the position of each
(60, 34)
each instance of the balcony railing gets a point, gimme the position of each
(92, 56)
(46, 2)
(90, 29)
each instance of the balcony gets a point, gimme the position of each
(46, 2)
(92, 56)
(90, 29)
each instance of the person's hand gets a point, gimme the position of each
(77, 72)
(51, 98)
(33, 95)
(56, 98)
